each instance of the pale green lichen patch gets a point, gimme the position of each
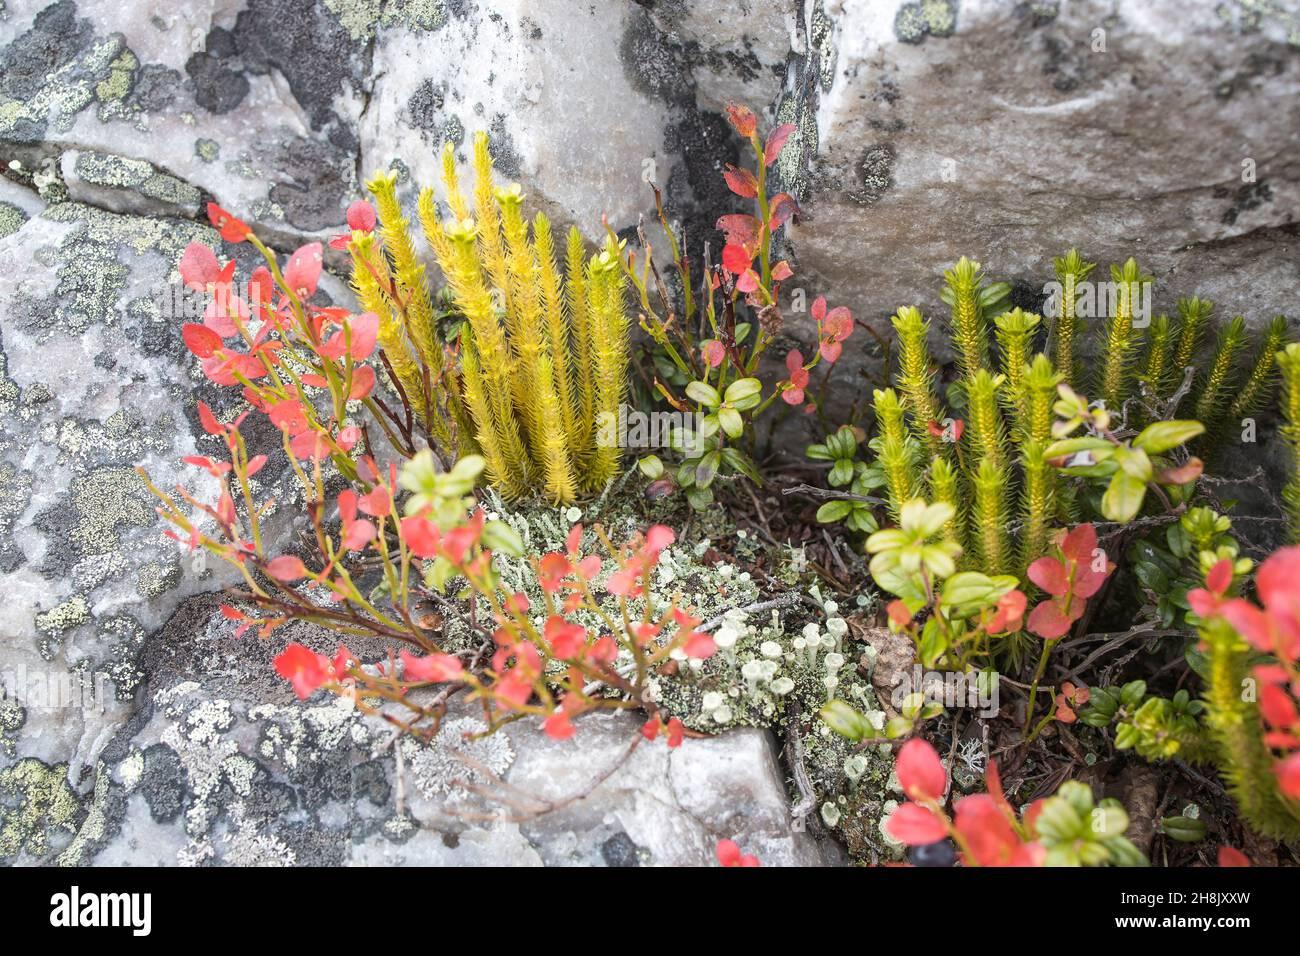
(361, 18)
(207, 150)
(11, 219)
(106, 502)
(38, 810)
(136, 175)
(63, 617)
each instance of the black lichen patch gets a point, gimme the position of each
(54, 41)
(155, 88)
(875, 174)
(321, 181)
(162, 783)
(217, 88)
(504, 154)
(1248, 197)
(619, 851)
(424, 108)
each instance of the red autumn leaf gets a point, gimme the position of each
(782, 271)
(742, 119)
(303, 271)
(363, 381)
(730, 855)
(781, 208)
(361, 215)
(209, 421)
(303, 668)
(1050, 622)
(558, 726)
(1080, 544)
(255, 464)
(713, 352)
(1276, 707)
(1183, 474)
(567, 639)
(286, 568)
(223, 311)
(776, 142)
(198, 267)
(1220, 576)
(920, 772)
(914, 825)
(200, 339)
(1229, 856)
(232, 229)
(699, 646)
(740, 229)
(736, 259)
(1050, 575)
(434, 668)
(1288, 776)
(747, 281)
(741, 182)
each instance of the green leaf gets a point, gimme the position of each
(1123, 498)
(707, 469)
(499, 536)
(741, 389)
(1072, 446)
(833, 511)
(731, 422)
(819, 453)
(841, 473)
(699, 498)
(739, 461)
(651, 467)
(840, 717)
(706, 395)
(1161, 436)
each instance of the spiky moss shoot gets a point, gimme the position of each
(1218, 380)
(1071, 270)
(1288, 361)
(984, 417)
(990, 533)
(1245, 762)
(944, 488)
(1037, 504)
(1041, 380)
(414, 303)
(1122, 339)
(1155, 369)
(543, 359)
(1262, 380)
(968, 329)
(1015, 334)
(896, 452)
(1193, 318)
(916, 377)
(607, 318)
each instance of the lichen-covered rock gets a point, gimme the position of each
(94, 381)
(222, 765)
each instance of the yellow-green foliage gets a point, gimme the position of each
(1122, 338)
(1155, 370)
(897, 451)
(1234, 720)
(969, 330)
(1288, 360)
(543, 356)
(916, 376)
(1252, 393)
(1015, 335)
(1194, 317)
(1214, 386)
(1070, 271)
